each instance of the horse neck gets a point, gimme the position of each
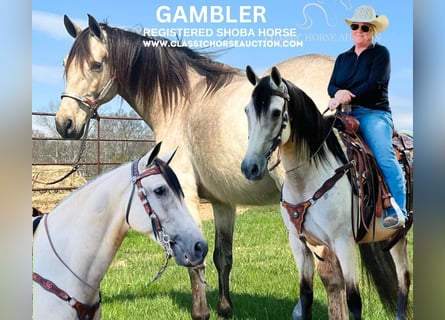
(86, 233)
(305, 173)
(160, 82)
(160, 118)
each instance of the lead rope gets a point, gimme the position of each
(165, 242)
(76, 164)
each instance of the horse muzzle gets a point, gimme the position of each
(253, 170)
(189, 255)
(68, 130)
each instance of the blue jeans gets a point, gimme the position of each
(377, 127)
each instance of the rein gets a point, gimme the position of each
(60, 259)
(321, 144)
(84, 311)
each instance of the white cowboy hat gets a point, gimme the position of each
(367, 14)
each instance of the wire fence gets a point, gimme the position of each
(101, 152)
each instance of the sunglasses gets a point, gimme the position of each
(355, 26)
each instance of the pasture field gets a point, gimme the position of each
(264, 277)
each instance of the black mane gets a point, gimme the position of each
(307, 123)
(142, 70)
(170, 177)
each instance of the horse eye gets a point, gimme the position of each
(96, 66)
(276, 113)
(160, 191)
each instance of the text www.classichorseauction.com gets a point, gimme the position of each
(229, 37)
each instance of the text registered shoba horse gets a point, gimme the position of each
(75, 244)
(190, 101)
(317, 196)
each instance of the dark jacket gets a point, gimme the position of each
(366, 76)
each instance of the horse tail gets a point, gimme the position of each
(380, 270)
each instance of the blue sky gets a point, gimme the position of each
(318, 25)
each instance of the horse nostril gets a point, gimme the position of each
(254, 171)
(65, 128)
(69, 126)
(201, 248)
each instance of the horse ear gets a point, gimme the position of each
(253, 78)
(276, 76)
(154, 153)
(168, 157)
(73, 29)
(94, 26)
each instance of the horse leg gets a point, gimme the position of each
(200, 308)
(222, 256)
(305, 264)
(400, 256)
(347, 257)
(331, 275)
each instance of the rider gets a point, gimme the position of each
(360, 79)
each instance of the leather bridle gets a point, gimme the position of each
(158, 230)
(284, 122)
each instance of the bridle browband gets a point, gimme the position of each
(90, 104)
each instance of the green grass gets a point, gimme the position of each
(264, 282)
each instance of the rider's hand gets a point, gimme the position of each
(333, 104)
(344, 96)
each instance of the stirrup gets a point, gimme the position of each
(400, 216)
(399, 224)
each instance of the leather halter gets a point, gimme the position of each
(91, 104)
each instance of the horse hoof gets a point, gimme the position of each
(196, 316)
(297, 313)
(224, 308)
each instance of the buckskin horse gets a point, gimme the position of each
(317, 199)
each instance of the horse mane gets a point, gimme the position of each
(170, 177)
(309, 126)
(145, 71)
